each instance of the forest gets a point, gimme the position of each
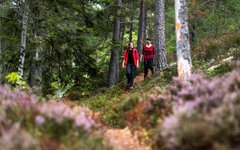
(65, 82)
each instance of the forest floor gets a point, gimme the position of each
(108, 106)
(124, 139)
(118, 138)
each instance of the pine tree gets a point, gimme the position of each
(113, 72)
(1, 61)
(141, 26)
(161, 60)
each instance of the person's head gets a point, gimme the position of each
(131, 45)
(149, 41)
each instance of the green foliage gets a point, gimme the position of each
(171, 43)
(14, 79)
(222, 69)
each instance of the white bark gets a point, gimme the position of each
(23, 41)
(182, 39)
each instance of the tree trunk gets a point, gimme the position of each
(1, 61)
(113, 72)
(123, 31)
(145, 33)
(131, 24)
(182, 39)
(23, 42)
(36, 66)
(131, 30)
(161, 60)
(141, 26)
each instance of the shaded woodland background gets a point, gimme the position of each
(65, 95)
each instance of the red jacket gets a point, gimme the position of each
(135, 56)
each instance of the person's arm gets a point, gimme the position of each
(142, 55)
(137, 60)
(123, 64)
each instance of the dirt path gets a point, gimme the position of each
(122, 139)
(139, 78)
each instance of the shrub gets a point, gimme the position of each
(13, 80)
(205, 114)
(216, 45)
(22, 115)
(222, 69)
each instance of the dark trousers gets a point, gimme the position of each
(130, 74)
(148, 65)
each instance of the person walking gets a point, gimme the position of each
(148, 53)
(130, 62)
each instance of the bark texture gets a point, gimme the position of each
(1, 61)
(113, 72)
(36, 67)
(160, 43)
(141, 26)
(131, 30)
(23, 41)
(183, 44)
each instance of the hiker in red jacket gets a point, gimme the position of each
(148, 53)
(131, 62)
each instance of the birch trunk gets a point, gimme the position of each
(182, 39)
(113, 72)
(161, 60)
(23, 42)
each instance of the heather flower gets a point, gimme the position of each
(15, 138)
(24, 109)
(9, 97)
(82, 121)
(169, 130)
(61, 112)
(212, 101)
(56, 111)
(191, 105)
(39, 120)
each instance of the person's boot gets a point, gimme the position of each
(145, 76)
(131, 88)
(152, 70)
